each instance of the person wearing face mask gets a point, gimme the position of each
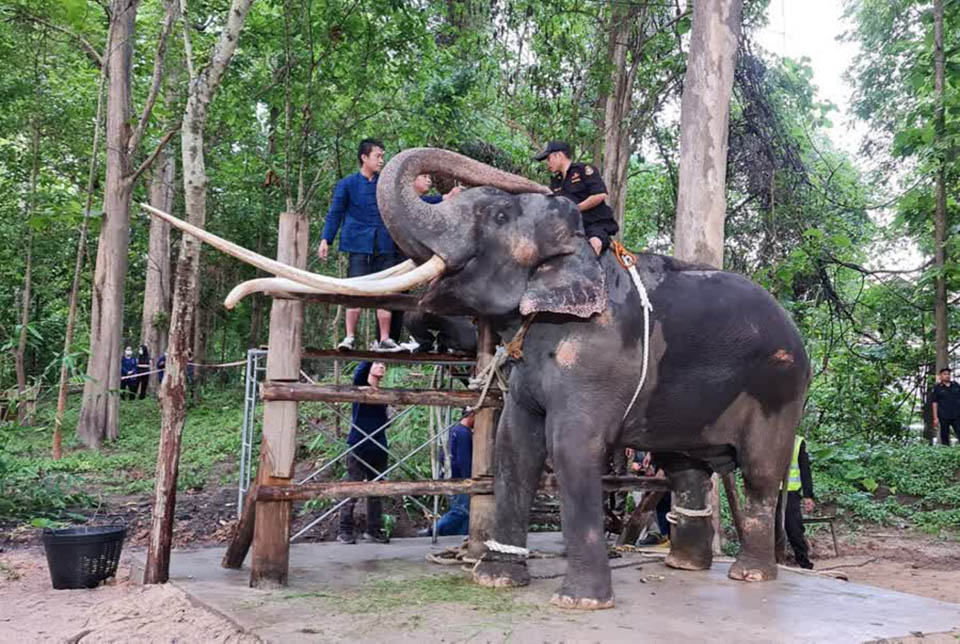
(128, 372)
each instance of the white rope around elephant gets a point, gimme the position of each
(629, 262)
(674, 514)
(505, 548)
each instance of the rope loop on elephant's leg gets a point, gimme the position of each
(677, 512)
(505, 548)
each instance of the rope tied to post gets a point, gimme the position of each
(494, 369)
(628, 261)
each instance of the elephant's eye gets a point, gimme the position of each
(500, 218)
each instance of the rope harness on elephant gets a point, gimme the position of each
(677, 512)
(628, 261)
(512, 349)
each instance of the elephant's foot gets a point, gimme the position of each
(684, 561)
(501, 574)
(584, 594)
(580, 603)
(690, 556)
(752, 569)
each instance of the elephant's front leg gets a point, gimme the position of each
(579, 453)
(518, 462)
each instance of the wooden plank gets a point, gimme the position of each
(633, 527)
(400, 356)
(484, 434)
(398, 302)
(272, 391)
(243, 535)
(478, 486)
(270, 561)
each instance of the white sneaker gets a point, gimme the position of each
(410, 345)
(387, 346)
(346, 344)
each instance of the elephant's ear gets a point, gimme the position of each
(571, 284)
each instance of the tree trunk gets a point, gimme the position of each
(156, 294)
(77, 269)
(617, 144)
(98, 416)
(173, 388)
(941, 341)
(704, 119)
(27, 295)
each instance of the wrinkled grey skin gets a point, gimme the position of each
(725, 388)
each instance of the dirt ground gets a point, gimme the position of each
(31, 611)
(119, 611)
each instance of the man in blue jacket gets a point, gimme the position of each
(128, 373)
(364, 235)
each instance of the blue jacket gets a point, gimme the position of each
(461, 451)
(128, 366)
(354, 206)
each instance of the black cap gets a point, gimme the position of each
(554, 146)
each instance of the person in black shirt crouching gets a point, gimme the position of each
(946, 406)
(582, 184)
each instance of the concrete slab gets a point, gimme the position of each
(389, 593)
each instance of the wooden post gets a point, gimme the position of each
(484, 434)
(271, 532)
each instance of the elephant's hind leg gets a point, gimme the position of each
(763, 461)
(518, 462)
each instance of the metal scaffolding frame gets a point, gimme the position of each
(256, 369)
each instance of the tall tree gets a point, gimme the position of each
(203, 86)
(98, 416)
(156, 290)
(940, 212)
(704, 120)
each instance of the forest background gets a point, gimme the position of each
(494, 80)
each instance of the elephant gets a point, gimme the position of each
(713, 377)
(443, 333)
(725, 386)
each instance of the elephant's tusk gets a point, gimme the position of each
(320, 282)
(384, 286)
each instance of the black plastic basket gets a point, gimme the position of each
(83, 557)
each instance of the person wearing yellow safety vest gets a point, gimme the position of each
(799, 482)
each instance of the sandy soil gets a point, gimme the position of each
(31, 611)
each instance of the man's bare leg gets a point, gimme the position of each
(383, 323)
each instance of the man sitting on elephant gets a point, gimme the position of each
(582, 184)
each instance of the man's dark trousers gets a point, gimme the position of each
(945, 425)
(357, 471)
(793, 523)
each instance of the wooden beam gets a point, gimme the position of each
(243, 535)
(400, 356)
(398, 302)
(270, 561)
(484, 435)
(301, 392)
(476, 486)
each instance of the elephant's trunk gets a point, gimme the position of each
(421, 229)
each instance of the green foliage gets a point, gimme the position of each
(916, 485)
(33, 485)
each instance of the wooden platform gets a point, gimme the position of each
(399, 356)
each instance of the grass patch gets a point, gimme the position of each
(388, 595)
(33, 485)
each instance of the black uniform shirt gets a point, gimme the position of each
(582, 181)
(947, 398)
